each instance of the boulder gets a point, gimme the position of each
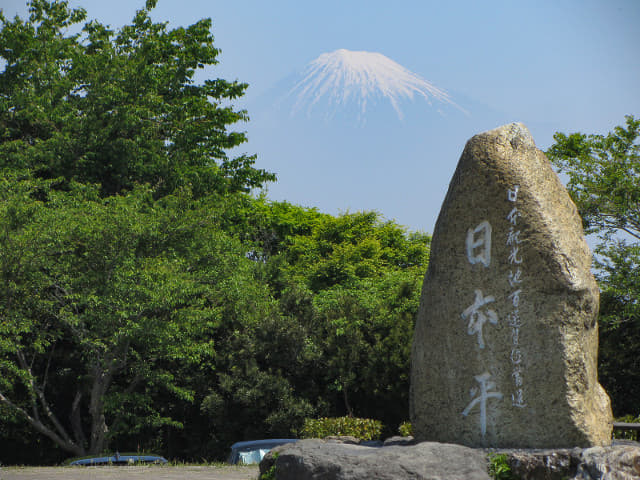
(506, 338)
(609, 463)
(616, 462)
(397, 440)
(322, 460)
(560, 464)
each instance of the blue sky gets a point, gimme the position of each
(569, 65)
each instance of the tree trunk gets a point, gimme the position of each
(346, 400)
(101, 381)
(76, 420)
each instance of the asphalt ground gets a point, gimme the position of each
(131, 473)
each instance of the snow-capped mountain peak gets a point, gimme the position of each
(343, 77)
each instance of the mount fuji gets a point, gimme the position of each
(354, 130)
(345, 80)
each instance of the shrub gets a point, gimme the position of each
(405, 429)
(362, 428)
(499, 468)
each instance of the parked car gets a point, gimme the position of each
(118, 459)
(253, 451)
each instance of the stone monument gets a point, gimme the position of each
(506, 339)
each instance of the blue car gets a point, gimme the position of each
(118, 459)
(253, 451)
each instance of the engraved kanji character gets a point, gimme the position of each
(477, 318)
(517, 399)
(484, 395)
(513, 216)
(479, 244)
(512, 193)
(513, 237)
(515, 297)
(513, 256)
(515, 277)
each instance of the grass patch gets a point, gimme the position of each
(499, 468)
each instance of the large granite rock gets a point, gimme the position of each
(321, 460)
(506, 339)
(609, 463)
(328, 460)
(618, 462)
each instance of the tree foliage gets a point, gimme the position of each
(603, 177)
(365, 429)
(604, 182)
(118, 108)
(354, 284)
(110, 292)
(104, 300)
(147, 300)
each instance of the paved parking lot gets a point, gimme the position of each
(129, 473)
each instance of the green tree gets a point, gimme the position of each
(257, 391)
(145, 298)
(111, 309)
(604, 182)
(118, 108)
(114, 293)
(353, 283)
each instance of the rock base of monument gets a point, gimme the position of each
(619, 461)
(332, 460)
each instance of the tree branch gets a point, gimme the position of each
(23, 364)
(43, 402)
(76, 421)
(69, 446)
(46, 370)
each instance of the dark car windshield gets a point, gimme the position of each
(253, 451)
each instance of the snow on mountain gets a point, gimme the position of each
(357, 131)
(344, 78)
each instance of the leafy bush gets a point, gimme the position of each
(405, 429)
(362, 428)
(499, 468)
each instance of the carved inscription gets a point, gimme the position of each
(478, 316)
(484, 393)
(478, 244)
(480, 313)
(515, 297)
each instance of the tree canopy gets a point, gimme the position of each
(99, 309)
(148, 300)
(118, 108)
(604, 182)
(116, 273)
(603, 177)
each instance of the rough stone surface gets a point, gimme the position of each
(618, 462)
(342, 439)
(506, 339)
(544, 464)
(399, 441)
(609, 463)
(321, 460)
